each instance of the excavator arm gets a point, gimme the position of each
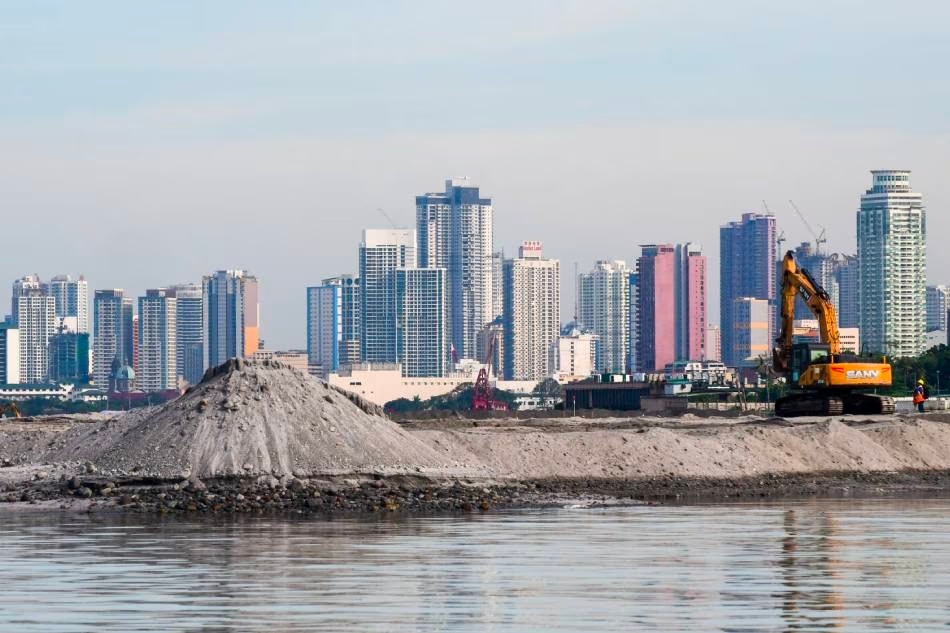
(797, 282)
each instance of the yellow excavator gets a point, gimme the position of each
(10, 409)
(824, 380)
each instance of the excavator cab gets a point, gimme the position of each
(805, 354)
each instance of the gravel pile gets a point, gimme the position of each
(260, 418)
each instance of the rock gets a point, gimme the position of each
(84, 492)
(90, 468)
(40, 475)
(74, 483)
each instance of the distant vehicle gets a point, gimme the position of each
(828, 381)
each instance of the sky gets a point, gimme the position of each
(148, 143)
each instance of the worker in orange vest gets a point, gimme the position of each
(920, 394)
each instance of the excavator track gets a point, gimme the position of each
(808, 404)
(848, 404)
(868, 404)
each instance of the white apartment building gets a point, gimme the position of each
(36, 321)
(532, 314)
(112, 325)
(9, 354)
(575, 355)
(604, 308)
(158, 358)
(422, 343)
(72, 300)
(189, 331)
(382, 251)
(892, 255)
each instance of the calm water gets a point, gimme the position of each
(830, 565)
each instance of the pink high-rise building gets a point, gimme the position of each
(672, 312)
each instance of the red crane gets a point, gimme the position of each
(483, 396)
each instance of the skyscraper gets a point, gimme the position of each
(497, 284)
(231, 316)
(36, 320)
(27, 283)
(422, 344)
(9, 354)
(633, 337)
(72, 300)
(849, 288)
(381, 253)
(747, 269)
(937, 305)
(532, 314)
(823, 268)
(69, 357)
(158, 365)
(672, 304)
(892, 253)
(333, 324)
(189, 331)
(604, 309)
(455, 231)
(112, 333)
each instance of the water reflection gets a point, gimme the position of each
(859, 566)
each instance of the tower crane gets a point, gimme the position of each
(819, 237)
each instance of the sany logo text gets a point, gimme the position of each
(853, 374)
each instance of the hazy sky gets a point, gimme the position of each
(145, 144)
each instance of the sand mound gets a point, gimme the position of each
(265, 418)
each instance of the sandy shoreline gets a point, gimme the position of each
(261, 437)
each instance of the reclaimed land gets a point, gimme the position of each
(256, 437)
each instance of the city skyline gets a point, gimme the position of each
(236, 138)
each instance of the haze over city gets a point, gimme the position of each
(154, 144)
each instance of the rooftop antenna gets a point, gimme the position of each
(819, 237)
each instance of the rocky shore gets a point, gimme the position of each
(263, 438)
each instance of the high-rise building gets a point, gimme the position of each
(713, 343)
(497, 283)
(752, 344)
(69, 357)
(231, 316)
(937, 306)
(892, 252)
(324, 326)
(823, 268)
(158, 350)
(381, 253)
(27, 283)
(422, 343)
(849, 292)
(112, 333)
(333, 324)
(532, 313)
(135, 342)
(672, 304)
(604, 309)
(36, 320)
(455, 231)
(189, 331)
(72, 299)
(9, 354)
(747, 269)
(633, 318)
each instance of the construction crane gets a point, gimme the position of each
(828, 382)
(483, 396)
(10, 410)
(819, 237)
(388, 219)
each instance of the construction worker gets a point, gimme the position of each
(920, 394)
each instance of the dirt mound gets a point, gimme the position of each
(265, 418)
